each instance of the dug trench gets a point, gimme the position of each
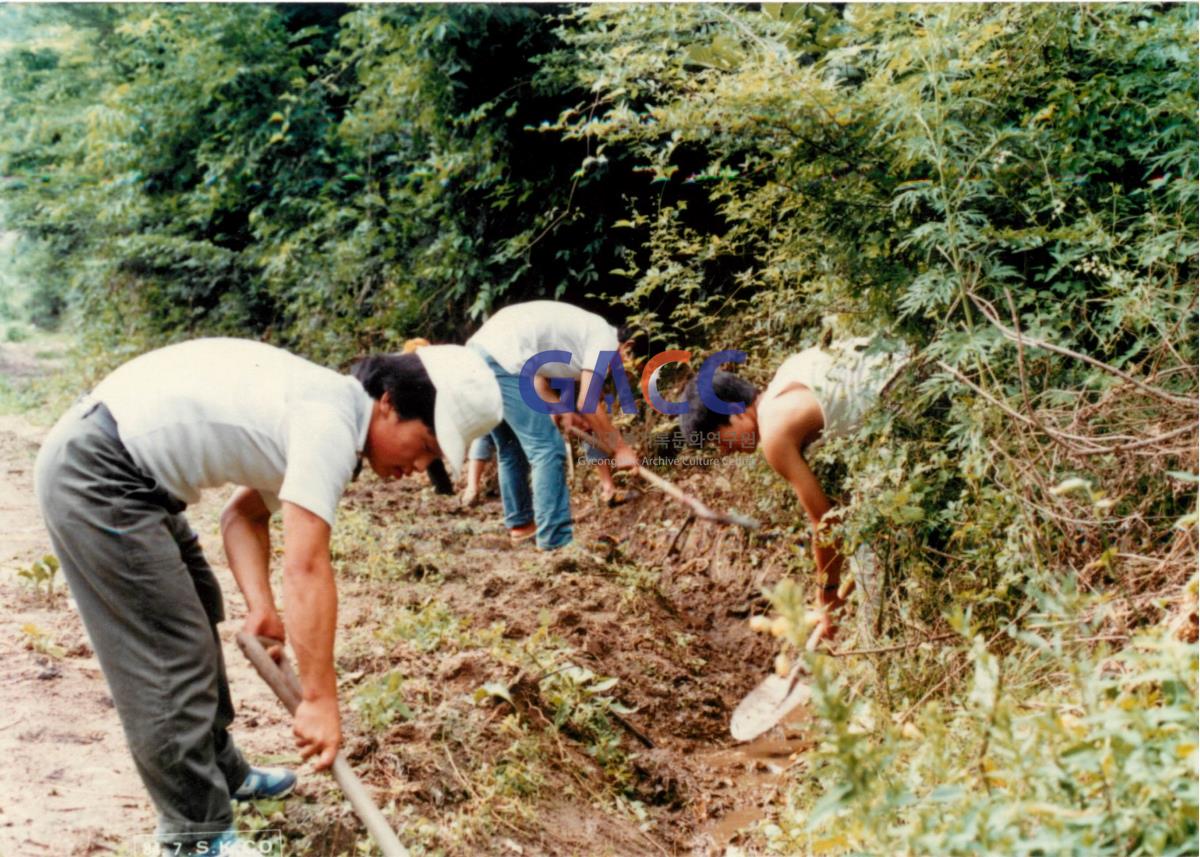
(496, 700)
(558, 706)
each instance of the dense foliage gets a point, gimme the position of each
(1010, 190)
(331, 178)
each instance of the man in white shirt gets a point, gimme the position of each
(556, 347)
(816, 394)
(114, 477)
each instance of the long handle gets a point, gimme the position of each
(673, 490)
(283, 680)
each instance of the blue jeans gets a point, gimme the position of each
(482, 448)
(527, 440)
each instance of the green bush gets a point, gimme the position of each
(1021, 209)
(1054, 745)
(332, 180)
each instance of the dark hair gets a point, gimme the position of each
(699, 421)
(627, 332)
(404, 379)
(436, 471)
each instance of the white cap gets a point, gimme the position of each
(467, 404)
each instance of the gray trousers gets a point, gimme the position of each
(150, 604)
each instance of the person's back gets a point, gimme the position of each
(210, 412)
(514, 334)
(528, 444)
(845, 377)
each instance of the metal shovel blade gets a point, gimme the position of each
(768, 703)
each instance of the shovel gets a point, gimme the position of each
(773, 698)
(283, 680)
(699, 509)
(768, 703)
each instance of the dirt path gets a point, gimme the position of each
(67, 775)
(69, 785)
(431, 594)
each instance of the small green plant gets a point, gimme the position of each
(259, 822)
(637, 580)
(40, 641)
(427, 628)
(582, 705)
(518, 773)
(41, 576)
(379, 702)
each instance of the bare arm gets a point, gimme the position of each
(311, 598)
(246, 535)
(548, 394)
(602, 427)
(781, 448)
(542, 384)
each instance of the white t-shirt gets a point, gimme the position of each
(517, 332)
(845, 379)
(215, 411)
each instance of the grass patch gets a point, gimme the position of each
(431, 626)
(379, 702)
(33, 379)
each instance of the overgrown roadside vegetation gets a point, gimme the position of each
(1010, 190)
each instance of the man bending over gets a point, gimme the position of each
(819, 393)
(113, 479)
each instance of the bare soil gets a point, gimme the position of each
(663, 611)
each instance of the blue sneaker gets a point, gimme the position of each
(266, 784)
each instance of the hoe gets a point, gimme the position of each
(283, 680)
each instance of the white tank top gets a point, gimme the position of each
(845, 379)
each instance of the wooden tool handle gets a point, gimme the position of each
(282, 679)
(673, 490)
(254, 648)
